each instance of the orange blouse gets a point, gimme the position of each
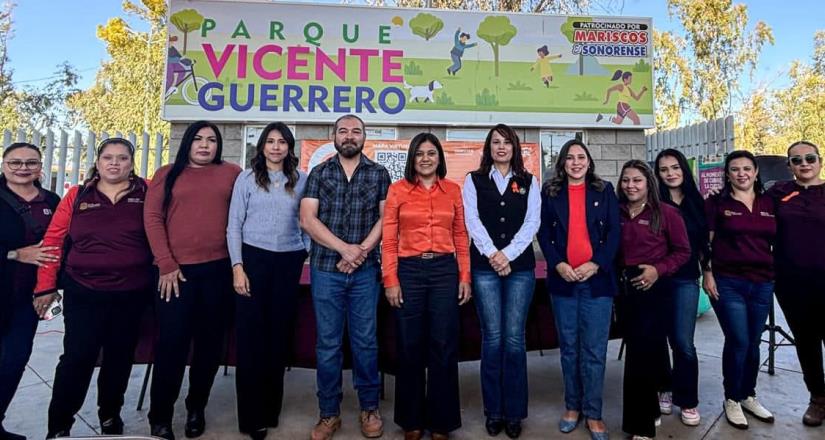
(419, 220)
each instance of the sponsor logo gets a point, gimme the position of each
(729, 213)
(84, 206)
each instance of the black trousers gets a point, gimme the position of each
(264, 324)
(16, 339)
(642, 319)
(802, 298)
(197, 318)
(95, 320)
(426, 385)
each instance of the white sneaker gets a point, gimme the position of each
(756, 409)
(665, 402)
(690, 416)
(734, 414)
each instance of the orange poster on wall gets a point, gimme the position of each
(462, 156)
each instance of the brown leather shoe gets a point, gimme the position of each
(326, 427)
(815, 413)
(412, 435)
(440, 436)
(371, 424)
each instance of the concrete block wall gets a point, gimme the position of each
(610, 148)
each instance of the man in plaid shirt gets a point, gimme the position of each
(341, 210)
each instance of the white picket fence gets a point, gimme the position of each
(67, 157)
(711, 138)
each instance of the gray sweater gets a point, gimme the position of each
(266, 220)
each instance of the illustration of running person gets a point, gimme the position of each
(623, 109)
(458, 50)
(543, 63)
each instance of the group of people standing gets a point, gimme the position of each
(204, 237)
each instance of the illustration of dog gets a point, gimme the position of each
(423, 92)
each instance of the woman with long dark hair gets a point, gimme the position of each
(25, 211)
(739, 279)
(426, 270)
(267, 249)
(800, 288)
(187, 211)
(654, 245)
(681, 383)
(98, 229)
(501, 206)
(579, 236)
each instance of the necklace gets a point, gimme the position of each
(636, 212)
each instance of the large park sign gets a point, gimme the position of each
(261, 61)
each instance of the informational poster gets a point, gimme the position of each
(711, 173)
(462, 157)
(299, 62)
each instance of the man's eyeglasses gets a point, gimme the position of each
(809, 158)
(16, 164)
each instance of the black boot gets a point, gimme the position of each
(512, 429)
(258, 435)
(195, 424)
(494, 426)
(163, 431)
(112, 426)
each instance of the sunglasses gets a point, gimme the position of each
(16, 164)
(809, 158)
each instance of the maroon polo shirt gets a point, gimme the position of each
(109, 250)
(25, 274)
(800, 222)
(743, 239)
(666, 250)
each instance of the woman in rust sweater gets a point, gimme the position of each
(187, 210)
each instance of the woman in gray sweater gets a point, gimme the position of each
(267, 249)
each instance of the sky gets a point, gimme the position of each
(49, 32)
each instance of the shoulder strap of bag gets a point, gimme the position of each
(23, 211)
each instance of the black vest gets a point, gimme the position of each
(502, 216)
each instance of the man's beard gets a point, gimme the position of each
(348, 149)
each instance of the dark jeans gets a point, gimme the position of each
(742, 309)
(95, 320)
(503, 304)
(346, 299)
(642, 315)
(16, 339)
(426, 384)
(802, 298)
(683, 378)
(583, 326)
(264, 324)
(198, 317)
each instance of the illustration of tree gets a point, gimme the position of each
(498, 31)
(567, 30)
(426, 25)
(186, 20)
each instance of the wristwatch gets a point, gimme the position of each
(12, 255)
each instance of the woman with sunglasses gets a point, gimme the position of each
(267, 249)
(187, 211)
(98, 230)
(681, 383)
(25, 211)
(739, 280)
(654, 245)
(800, 289)
(426, 270)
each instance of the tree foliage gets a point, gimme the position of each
(498, 31)
(426, 25)
(537, 6)
(704, 67)
(127, 92)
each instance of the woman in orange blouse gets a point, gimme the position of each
(426, 269)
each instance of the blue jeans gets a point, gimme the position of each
(340, 298)
(456, 66)
(503, 304)
(742, 309)
(583, 325)
(683, 378)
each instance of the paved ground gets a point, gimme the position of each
(784, 393)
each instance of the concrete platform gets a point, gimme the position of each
(784, 393)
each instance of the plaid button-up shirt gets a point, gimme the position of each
(349, 209)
